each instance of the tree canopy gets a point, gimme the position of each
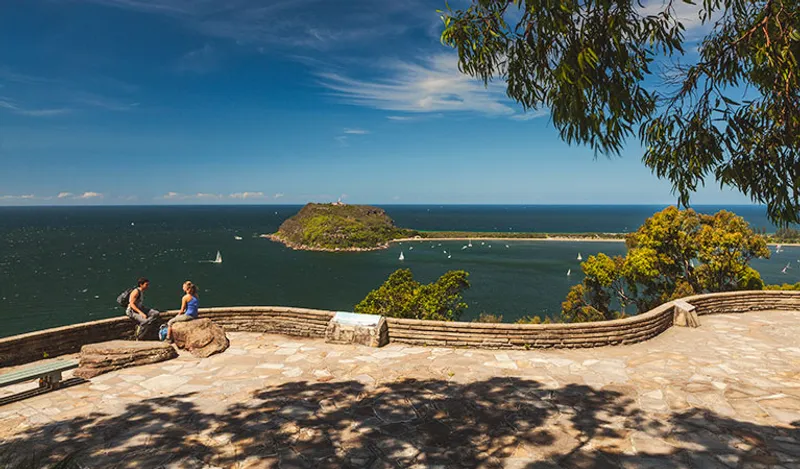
(675, 253)
(403, 297)
(610, 69)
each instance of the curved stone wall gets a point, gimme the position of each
(597, 334)
(312, 323)
(34, 346)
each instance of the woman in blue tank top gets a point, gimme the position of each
(189, 304)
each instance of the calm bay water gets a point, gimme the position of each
(63, 265)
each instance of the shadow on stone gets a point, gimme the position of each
(500, 422)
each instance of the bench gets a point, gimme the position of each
(49, 374)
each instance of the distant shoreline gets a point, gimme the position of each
(553, 238)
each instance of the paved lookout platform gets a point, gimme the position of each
(724, 395)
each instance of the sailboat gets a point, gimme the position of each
(237, 238)
(785, 268)
(402, 257)
(470, 244)
(580, 258)
(463, 247)
(218, 260)
(569, 272)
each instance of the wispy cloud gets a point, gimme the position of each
(342, 140)
(199, 61)
(399, 118)
(6, 103)
(278, 195)
(532, 114)
(90, 195)
(65, 195)
(433, 84)
(356, 131)
(17, 197)
(247, 195)
(317, 24)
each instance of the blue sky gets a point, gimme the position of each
(247, 101)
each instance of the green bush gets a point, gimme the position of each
(489, 318)
(401, 296)
(784, 287)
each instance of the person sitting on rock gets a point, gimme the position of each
(136, 309)
(189, 304)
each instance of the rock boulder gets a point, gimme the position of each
(96, 359)
(201, 337)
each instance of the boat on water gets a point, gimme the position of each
(402, 257)
(237, 238)
(218, 259)
(569, 272)
(580, 258)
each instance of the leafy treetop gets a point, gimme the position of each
(733, 115)
(675, 253)
(403, 297)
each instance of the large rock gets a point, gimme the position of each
(351, 328)
(201, 337)
(96, 359)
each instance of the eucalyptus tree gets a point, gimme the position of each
(726, 107)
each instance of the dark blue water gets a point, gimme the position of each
(63, 265)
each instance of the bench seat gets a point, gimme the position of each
(49, 374)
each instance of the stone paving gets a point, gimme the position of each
(724, 395)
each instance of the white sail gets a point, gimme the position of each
(237, 238)
(470, 243)
(580, 258)
(402, 256)
(218, 260)
(569, 272)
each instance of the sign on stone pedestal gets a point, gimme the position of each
(351, 328)
(685, 315)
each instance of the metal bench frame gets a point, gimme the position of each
(49, 374)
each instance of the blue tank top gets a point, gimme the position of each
(191, 307)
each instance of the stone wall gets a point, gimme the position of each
(37, 345)
(312, 323)
(623, 331)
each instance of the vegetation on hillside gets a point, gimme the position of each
(339, 227)
(403, 297)
(592, 64)
(785, 235)
(660, 265)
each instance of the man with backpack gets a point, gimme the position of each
(135, 308)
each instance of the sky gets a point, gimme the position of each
(276, 102)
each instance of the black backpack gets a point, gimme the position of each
(124, 298)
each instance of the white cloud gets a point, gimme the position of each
(317, 24)
(278, 195)
(532, 114)
(356, 131)
(172, 195)
(399, 118)
(432, 85)
(207, 195)
(342, 140)
(64, 195)
(247, 195)
(6, 103)
(688, 14)
(200, 61)
(17, 197)
(90, 195)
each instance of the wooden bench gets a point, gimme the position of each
(49, 374)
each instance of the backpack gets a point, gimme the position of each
(124, 298)
(162, 332)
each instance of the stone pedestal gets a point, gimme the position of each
(351, 328)
(96, 359)
(685, 315)
(202, 337)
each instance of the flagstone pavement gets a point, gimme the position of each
(725, 395)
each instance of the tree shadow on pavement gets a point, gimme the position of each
(499, 422)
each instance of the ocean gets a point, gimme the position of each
(64, 265)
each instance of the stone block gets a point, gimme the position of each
(96, 359)
(351, 328)
(685, 315)
(202, 337)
